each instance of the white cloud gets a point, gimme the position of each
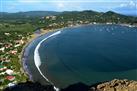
(127, 8)
(65, 6)
(29, 1)
(130, 4)
(123, 5)
(60, 5)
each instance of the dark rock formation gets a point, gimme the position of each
(77, 87)
(30, 86)
(114, 85)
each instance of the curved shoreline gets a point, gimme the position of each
(34, 36)
(37, 59)
(22, 61)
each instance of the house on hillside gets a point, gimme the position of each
(10, 78)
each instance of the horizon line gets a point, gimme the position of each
(58, 11)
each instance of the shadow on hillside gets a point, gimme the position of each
(30, 86)
(77, 87)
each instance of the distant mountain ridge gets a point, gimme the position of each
(68, 17)
(48, 13)
(28, 14)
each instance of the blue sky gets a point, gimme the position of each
(121, 6)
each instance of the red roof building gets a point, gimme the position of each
(10, 78)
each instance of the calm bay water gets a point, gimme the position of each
(88, 54)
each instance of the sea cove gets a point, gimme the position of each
(87, 54)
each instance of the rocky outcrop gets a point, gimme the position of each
(116, 85)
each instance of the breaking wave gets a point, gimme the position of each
(37, 59)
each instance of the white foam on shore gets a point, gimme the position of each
(37, 59)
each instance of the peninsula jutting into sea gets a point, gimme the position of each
(68, 50)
